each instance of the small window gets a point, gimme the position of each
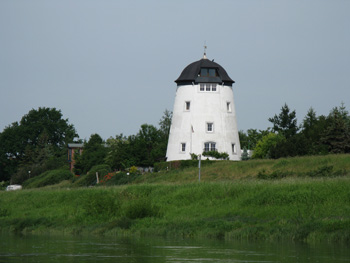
(183, 147)
(213, 87)
(207, 87)
(204, 72)
(210, 127)
(234, 148)
(201, 87)
(212, 72)
(228, 106)
(187, 105)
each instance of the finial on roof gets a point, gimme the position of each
(205, 51)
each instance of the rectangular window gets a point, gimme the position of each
(183, 147)
(228, 106)
(201, 87)
(206, 146)
(209, 146)
(210, 127)
(207, 87)
(234, 148)
(212, 72)
(213, 87)
(204, 72)
(187, 105)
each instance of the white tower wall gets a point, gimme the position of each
(190, 125)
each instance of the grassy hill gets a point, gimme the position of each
(300, 199)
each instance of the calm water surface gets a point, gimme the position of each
(106, 249)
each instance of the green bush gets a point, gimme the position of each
(323, 171)
(90, 178)
(216, 155)
(48, 178)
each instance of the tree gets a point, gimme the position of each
(252, 137)
(312, 128)
(243, 139)
(264, 146)
(285, 123)
(164, 130)
(40, 136)
(337, 133)
(147, 145)
(165, 123)
(94, 153)
(245, 155)
(120, 153)
(293, 146)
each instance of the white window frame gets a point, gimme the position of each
(210, 125)
(211, 146)
(208, 87)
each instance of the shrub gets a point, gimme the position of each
(90, 178)
(323, 171)
(216, 155)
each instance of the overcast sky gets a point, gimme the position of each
(110, 66)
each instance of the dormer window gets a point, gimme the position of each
(208, 72)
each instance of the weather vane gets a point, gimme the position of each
(205, 50)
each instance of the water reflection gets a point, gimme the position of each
(94, 249)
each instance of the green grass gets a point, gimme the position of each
(311, 203)
(310, 166)
(48, 178)
(289, 209)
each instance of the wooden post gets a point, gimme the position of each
(199, 168)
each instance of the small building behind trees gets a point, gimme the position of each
(73, 149)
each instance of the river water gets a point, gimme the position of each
(128, 250)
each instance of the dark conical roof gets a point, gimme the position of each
(191, 74)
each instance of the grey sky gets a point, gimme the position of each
(110, 66)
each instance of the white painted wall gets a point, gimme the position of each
(207, 106)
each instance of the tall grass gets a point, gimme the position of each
(301, 209)
(309, 166)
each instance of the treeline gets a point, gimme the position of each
(143, 149)
(38, 143)
(315, 135)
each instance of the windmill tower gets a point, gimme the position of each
(204, 116)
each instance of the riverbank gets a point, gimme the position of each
(298, 209)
